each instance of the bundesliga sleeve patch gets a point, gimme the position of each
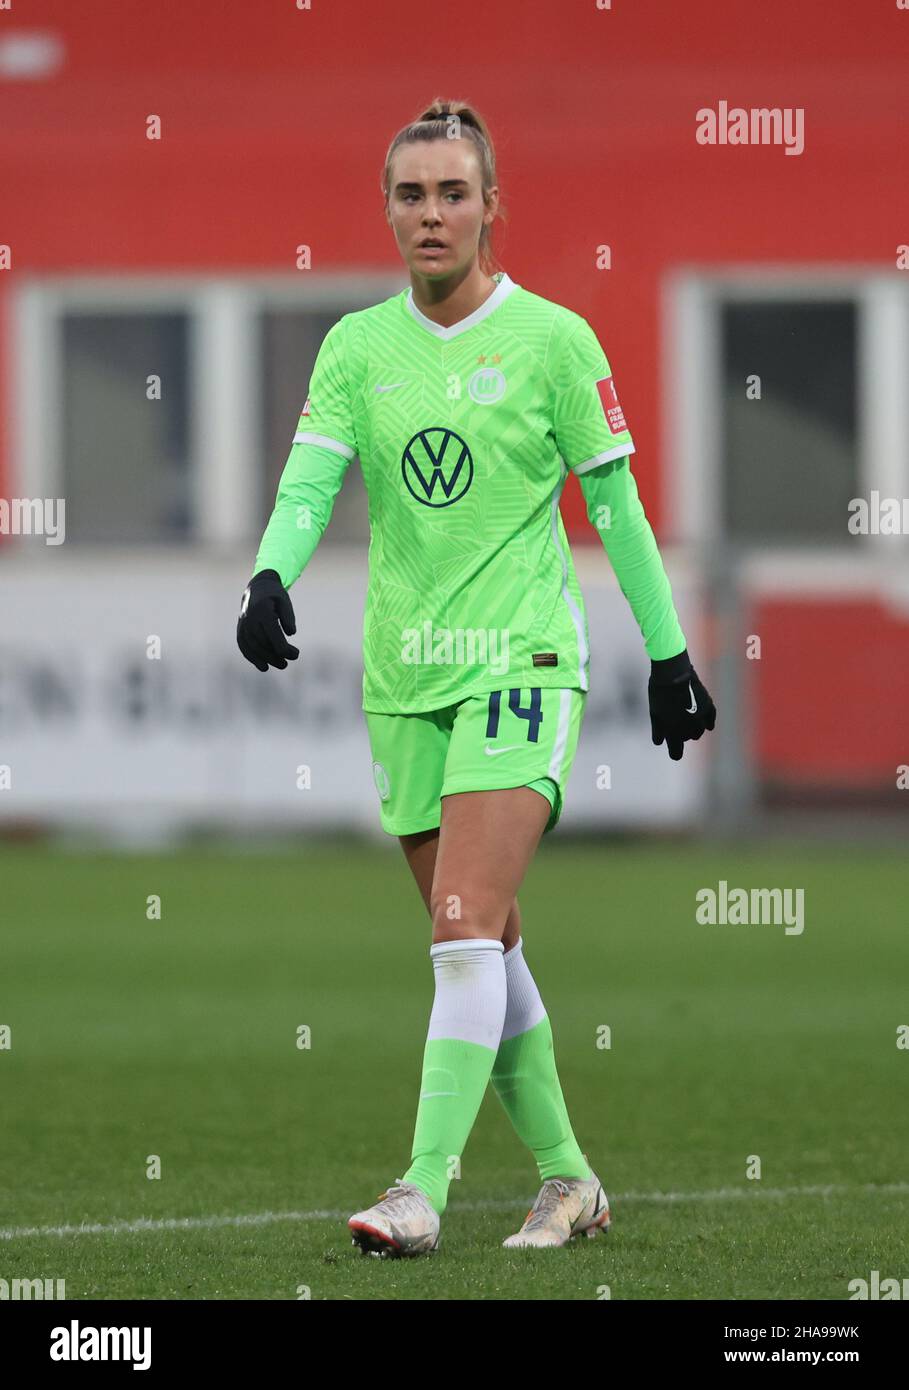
(305, 410)
(615, 419)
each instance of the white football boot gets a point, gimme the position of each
(402, 1222)
(565, 1207)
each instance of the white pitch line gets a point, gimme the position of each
(723, 1194)
(269, 1218)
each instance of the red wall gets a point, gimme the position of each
(831, 694)
(276, 123)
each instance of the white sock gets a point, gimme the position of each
(524, 1007)
(471, 992)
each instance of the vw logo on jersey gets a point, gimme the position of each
(437, 467)
(486, 386)
(383, 785)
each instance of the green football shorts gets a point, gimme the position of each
(502, 738)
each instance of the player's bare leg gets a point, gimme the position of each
(420, 851)
(486, 842)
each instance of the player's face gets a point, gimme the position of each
(435, 192)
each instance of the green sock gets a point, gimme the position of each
(455, 1077)
(525, 1079)
(465, 1028)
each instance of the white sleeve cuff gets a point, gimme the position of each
(618, 452)
(325, 442)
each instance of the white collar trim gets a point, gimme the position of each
(502, 290)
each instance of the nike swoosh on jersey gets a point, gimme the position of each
(493, 751)
(393, 387)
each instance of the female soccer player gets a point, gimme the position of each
(468, 399)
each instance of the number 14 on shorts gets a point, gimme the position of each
(533, 713)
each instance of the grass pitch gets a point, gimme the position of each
(177, 1038)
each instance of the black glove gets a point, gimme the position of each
(265, 610)
(680, 707)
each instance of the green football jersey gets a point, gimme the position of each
(465, 436)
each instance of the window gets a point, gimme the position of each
(201, 463)
(789, 459)
(831, 350)
(125, 461)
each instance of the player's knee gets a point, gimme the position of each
(456, 918)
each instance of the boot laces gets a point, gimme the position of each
(553, 1191)
(400, 1189)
